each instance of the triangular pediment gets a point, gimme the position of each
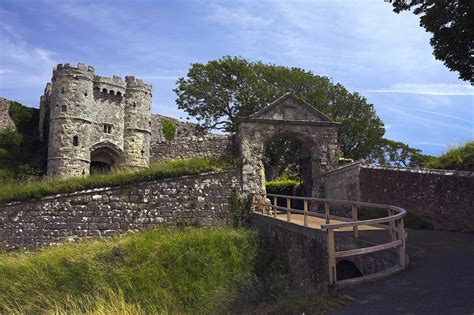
(291, 108)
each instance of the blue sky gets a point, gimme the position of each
(361, 44)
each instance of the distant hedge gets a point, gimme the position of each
(283, 187)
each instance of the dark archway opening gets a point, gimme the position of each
(98, 167)
(288, 168)
(103, 160)
(346, 269)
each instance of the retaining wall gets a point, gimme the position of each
(195, 200)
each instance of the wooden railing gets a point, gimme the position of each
(267, 204)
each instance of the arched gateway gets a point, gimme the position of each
(288, 116)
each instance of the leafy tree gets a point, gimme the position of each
(394, 153)
(452, 24)
(221, 91)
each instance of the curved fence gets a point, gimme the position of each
(268, 204)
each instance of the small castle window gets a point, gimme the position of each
(143, 152)
(85, 93)
(63, 91)
(134, 104)
(63, 108)
(119, 94)
(107, 128)
(112, 92)
(75, 141)
(104, 90)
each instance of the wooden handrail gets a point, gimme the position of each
(394, 219)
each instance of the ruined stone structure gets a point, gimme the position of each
(189, 141)
(94, 122)
(291, 117)
(5, 120)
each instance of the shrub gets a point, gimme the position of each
(459, 158)
(169, 129)
(283, 187)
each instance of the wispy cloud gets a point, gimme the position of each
(428, 89)
(434, 113)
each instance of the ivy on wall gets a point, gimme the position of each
(169, 129)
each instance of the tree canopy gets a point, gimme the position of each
(452, 24)
(394, 153)
(219, 92)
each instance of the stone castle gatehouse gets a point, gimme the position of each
(94, 123)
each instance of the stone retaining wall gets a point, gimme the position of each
(194, 200)
(443, 198)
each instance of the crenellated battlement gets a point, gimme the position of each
(137, 84)
(80, 70)
(114, 85)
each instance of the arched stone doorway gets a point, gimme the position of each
(288, 115)
(104, 157)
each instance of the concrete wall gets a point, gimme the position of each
(443, 198)
(197, 200)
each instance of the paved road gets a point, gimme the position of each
(440, 279)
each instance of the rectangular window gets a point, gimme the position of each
(75, 141)
(64, 108)
(107, 128)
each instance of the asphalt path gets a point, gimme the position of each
(439, 280)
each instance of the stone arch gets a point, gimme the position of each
(291, 116)
(105, 156)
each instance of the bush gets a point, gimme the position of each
(460, 158)
(169, 129)
(283, 187)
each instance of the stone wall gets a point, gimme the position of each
(304, 249)
(443, 198)
(189, 141)
(196, 200)
(5, 120)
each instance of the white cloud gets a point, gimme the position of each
(427, 89)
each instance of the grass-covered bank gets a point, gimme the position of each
(192, 271)
(17, 191)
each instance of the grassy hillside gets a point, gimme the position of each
(29, 189)
(192, 271)
(459, 158)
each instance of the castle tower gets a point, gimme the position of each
(70, 103)
(137, 122)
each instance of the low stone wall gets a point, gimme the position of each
(443, 198)
(195, 200)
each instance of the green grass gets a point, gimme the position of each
(164, 270)
(39, 188)
(459, 158)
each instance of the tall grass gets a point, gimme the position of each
(457, 158)
(160, 271)
(17, 191)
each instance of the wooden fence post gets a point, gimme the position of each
(275, 207)
(391, 226)
(401, 249)
(354, 218)
(326, 212)
(331, 257)
(305, 212)
(288, 211)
